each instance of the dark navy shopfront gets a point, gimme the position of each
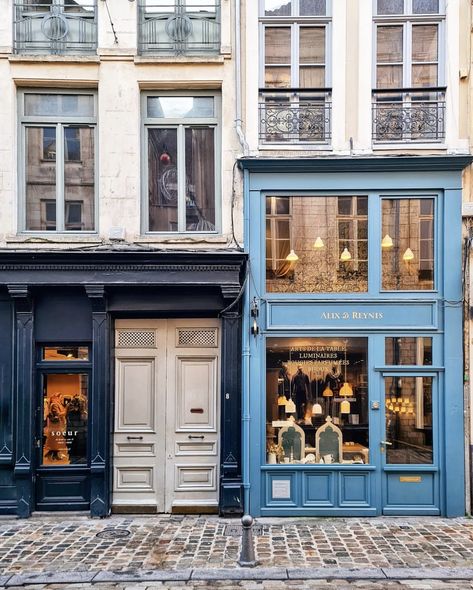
(352, 352)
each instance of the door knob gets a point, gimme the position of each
(386, 442)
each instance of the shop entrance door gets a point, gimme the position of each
(166, 447)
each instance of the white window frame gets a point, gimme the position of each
(60, 122)
(181, 124)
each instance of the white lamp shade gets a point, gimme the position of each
(292, 257)
(319, 243)
(345, 256)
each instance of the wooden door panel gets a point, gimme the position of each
(136, 395)
(196, 393)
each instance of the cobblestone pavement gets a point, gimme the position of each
(75, 544)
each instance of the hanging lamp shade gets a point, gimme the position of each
(282, 400)
(345, 407)
(319, 243)
(290, 407)
(316, 410)
(327, 392)
(292, 257)
(387, 242)
(346, 390)
(408, 255)
(345, 256)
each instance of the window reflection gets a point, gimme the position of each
(408, 407)
(408, 351)
(317, 244)
(317, 400)
(65, 353)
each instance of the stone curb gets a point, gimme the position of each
(185, 575)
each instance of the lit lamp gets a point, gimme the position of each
(292, 257)
(346, 389)
(327, 392)
(319, 243)
(345, 256)
(408, 255)
(290, 407)
(387, 242)
(345, 407)
(316, 410)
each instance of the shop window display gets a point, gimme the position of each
(65, 419)
(317, 400)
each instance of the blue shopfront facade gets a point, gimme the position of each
(352, 337)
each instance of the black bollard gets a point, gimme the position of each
(247, 554)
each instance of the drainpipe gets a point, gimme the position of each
(238, 120)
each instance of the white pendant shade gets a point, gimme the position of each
(292, 257)
(345, 407)
(345, 256)
(290, 407)
(408, 255)
(387, 242)
(319, 243)
(316, 410)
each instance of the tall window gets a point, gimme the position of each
(179, 27)
(55, 26)
(409, 79)
(295, 103)
(58, 167)
(181, 134)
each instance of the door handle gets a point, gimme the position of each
(134, 438)
(201, 436)
(386, 442)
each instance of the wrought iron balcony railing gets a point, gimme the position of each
(409, 115)
(55, 27)
(289, 115)
(179, 27)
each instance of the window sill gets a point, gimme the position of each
(40, 58)
(182, 239)
(179, 59)
(296, 147)
(409, 146)
(46, 238)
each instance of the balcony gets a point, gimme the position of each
(179, 27)
(288, 115)
(55, 27)
(409, 115)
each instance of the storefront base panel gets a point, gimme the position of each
(314, 512)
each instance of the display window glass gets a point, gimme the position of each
(408, 350)
(317, 400)
(65, 419)
(65, 353)
(408, 406)
(408, 250)
(317, 244)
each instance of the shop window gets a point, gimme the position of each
(65, 419)
(317, 400)
(408, 405)
(317, 244)
(65, 353)
(408, 244)
(58, 139)
(183, 163)
(408, 350)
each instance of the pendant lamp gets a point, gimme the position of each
(292, 257)
(319, 243)
(345, 407)
(327, 392)
(316, 408)
(408, 255)
(346, 389)
(290, 407)
(345, 256)
(387, 242)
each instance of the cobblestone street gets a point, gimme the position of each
(115, 552)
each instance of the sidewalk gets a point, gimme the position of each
(72, 549)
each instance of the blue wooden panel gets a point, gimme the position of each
(318, 489)
(354, 489)
(281, 489)
(411, 489)
(352, 316)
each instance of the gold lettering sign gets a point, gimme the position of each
(410, 479)
(352, 315)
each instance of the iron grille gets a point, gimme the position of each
(55, 27)
(179, 28)
(295, 116)
(409, 115)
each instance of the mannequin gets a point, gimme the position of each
(284, 382)
(300, 391)
(333, 380)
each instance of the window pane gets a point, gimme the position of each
(79, 178)
(408, 351)
(200, 180)
(389, 77)
(307, 380)
(59, 105)
(277, 45)
(277, 77)
(409, 420)
(390, 6)
(282, 205)
(277, 7)
(424, 75)
(312, 77)
(312, 7)
(425, 6)
(321, 229)
(424, 43)
(40, 175)
(389, 44)
(162, 179)
(65, 419)
(312, 45)
(65, 353)
(177, 107)
(401, 261)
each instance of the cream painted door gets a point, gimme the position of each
(166, 415)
